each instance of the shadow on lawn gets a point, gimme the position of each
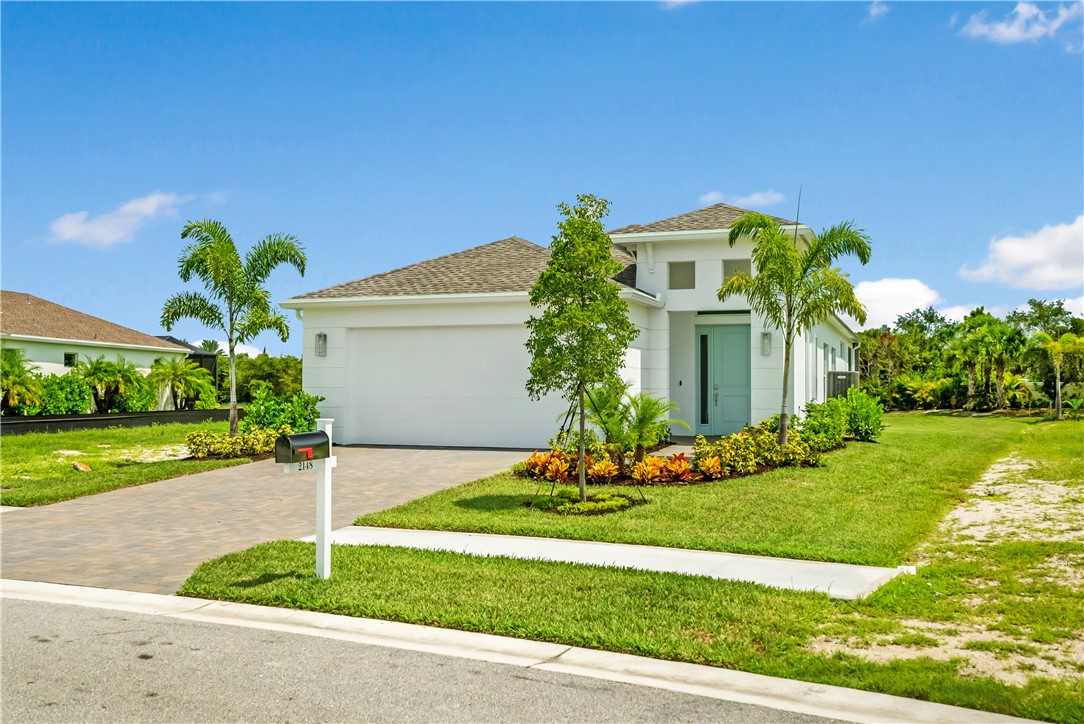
(487, 503)
(265, 578)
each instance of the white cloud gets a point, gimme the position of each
(887, 299)
(114, 227)
(1050, 258)
(877, 10)
(675, 4)
(217, 197)
(1026, 22)
(1076, 306)
(753, 200)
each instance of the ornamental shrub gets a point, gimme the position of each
(268, 411)
(863, 415)
(824, 424)
(138, 396)
(64, 395)
(205, 444)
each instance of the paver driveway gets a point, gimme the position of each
(151, 537)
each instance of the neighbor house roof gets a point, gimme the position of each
(718, 216)
(508, 265)
(26, 315)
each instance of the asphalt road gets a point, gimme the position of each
(69, 663)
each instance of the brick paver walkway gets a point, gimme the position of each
(151, 537)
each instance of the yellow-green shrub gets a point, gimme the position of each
(207, 444)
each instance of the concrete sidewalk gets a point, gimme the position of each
(838, 580)
(781, 694)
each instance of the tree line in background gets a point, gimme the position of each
(1028, 359)
(107, 386)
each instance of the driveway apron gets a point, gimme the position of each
(149, 538)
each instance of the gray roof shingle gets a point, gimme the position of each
(709, 218)
(508, 265)
(33, 316)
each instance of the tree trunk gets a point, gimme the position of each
(581, 467)
(1001, 384)
(233, 392)
(1057, 392)
(786, 384)
(970, 404)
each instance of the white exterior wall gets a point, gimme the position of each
(48, 356)
(443, 372)
(834, 334)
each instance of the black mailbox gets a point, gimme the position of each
(302, 447)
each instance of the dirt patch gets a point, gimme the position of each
(154, 454)
(1005, 505)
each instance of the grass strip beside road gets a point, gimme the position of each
(36, 468)
(666, 616)
(870, 504)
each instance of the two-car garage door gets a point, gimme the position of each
(445, 385)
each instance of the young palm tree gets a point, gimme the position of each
(184, 379)
(1004, 344)
(648, 422)
(1058, 349)
(795, 288)
(234, 301)
(18, 384)
(210, 345)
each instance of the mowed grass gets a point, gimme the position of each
(990, 589)
(870, 504)
(33, 471)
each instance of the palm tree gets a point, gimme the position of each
(794, 288)
(18, 384)
(210, 345)
(647, 422)
(1058, 349)
(1004, 344)
(107, 380)
(234, 301)
(184, 379)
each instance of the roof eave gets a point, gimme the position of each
(652, 236)
(93, 343)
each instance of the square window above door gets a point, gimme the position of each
(682, 275)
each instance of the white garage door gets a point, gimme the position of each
(447, 385)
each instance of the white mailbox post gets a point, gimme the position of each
(322, 467)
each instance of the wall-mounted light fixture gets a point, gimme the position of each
(321, 344)
(765, 343)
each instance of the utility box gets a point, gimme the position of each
(303, 447)
(837, 383)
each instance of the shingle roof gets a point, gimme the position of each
(508, 265)
(718, 216)
(32, 316)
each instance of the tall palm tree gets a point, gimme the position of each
(234, 301)
(796, 288)
(184, 379)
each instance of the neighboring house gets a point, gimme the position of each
(206, 360)
(53, 338)
(433, 353)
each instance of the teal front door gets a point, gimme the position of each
(722, 375)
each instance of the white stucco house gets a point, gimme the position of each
(54, 338)
(433, 353)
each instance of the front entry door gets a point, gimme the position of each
(722, 355)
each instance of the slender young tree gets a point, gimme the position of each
(583, 330)
(796, 288)
(1067, 345)
(234, 300)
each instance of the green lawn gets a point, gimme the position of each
(993, 594)
(870, 504)
(36, 469)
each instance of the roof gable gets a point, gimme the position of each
(508, 265)
(25, 314)
(709, 218)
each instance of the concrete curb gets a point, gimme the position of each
(782, 694)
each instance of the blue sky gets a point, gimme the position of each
(384, 134)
